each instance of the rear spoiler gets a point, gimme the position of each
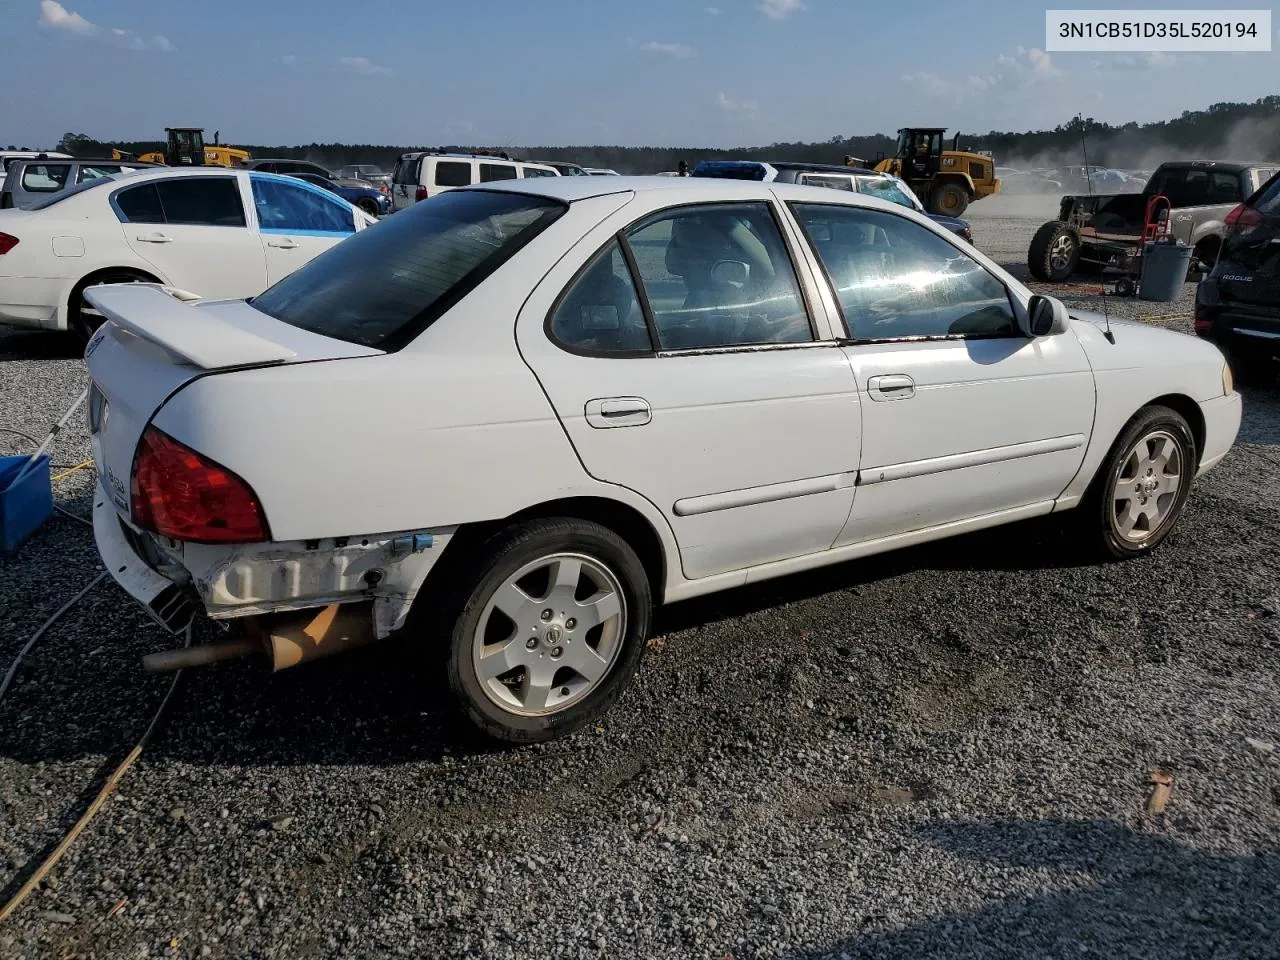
(166, 317)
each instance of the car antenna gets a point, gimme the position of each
(1084, 150)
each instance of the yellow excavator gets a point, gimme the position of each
(186, 148)
(946, 181)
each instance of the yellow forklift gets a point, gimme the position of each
(946, 181)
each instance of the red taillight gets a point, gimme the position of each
(1243, 217)
(7, 243)
(179, 494)
(420, 194)
(1203, 324)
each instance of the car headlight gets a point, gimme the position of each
(1228, 382)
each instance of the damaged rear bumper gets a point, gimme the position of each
(254, 580)
(164, 599)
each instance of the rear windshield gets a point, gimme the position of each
(389, 282)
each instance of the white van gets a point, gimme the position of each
(421, 175)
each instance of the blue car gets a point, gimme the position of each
(368, 198)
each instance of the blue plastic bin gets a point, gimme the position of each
(23, 505)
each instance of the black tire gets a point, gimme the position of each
(81, 325)
(1054, 253)
(489, 565)
(1101, 529)
(368, 206)
(948, 200)
(1125, 287)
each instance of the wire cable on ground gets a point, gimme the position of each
(74, 516)
(108, 788)
(70, 471)
(13, 667)
(19, 433)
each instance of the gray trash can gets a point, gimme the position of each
(1164, 270)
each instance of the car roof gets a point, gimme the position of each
(678, 189)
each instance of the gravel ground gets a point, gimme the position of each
(943, 752)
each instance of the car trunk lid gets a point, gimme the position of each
(159, 339)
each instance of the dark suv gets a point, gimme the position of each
(288, 167)
(1238, 304)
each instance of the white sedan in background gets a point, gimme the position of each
(515, 417)
(215, 232)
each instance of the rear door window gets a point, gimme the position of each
(45, 177)
(202, 201)
(384, 286)
(453, 173)
(490, 172)
(537, 172)
(719, 275)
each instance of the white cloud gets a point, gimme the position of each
(55, 15)
(128, 39)
(288, 59)
(735, 106)
(713, 11)
(780, 9)
(678, 50)
(1155, 60)
(363, 65)
(1041, 63)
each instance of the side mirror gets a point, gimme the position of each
(1046, 316)
(731, 273)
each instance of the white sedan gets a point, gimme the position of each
(514, 418)
(213, 231)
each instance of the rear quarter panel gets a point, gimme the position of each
(452, 429)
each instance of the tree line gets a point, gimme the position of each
(1252, 127)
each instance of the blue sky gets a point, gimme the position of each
(515, 72)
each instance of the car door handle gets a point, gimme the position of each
(618, 412)
(156, 238)
(284, 243)
(895, 386)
